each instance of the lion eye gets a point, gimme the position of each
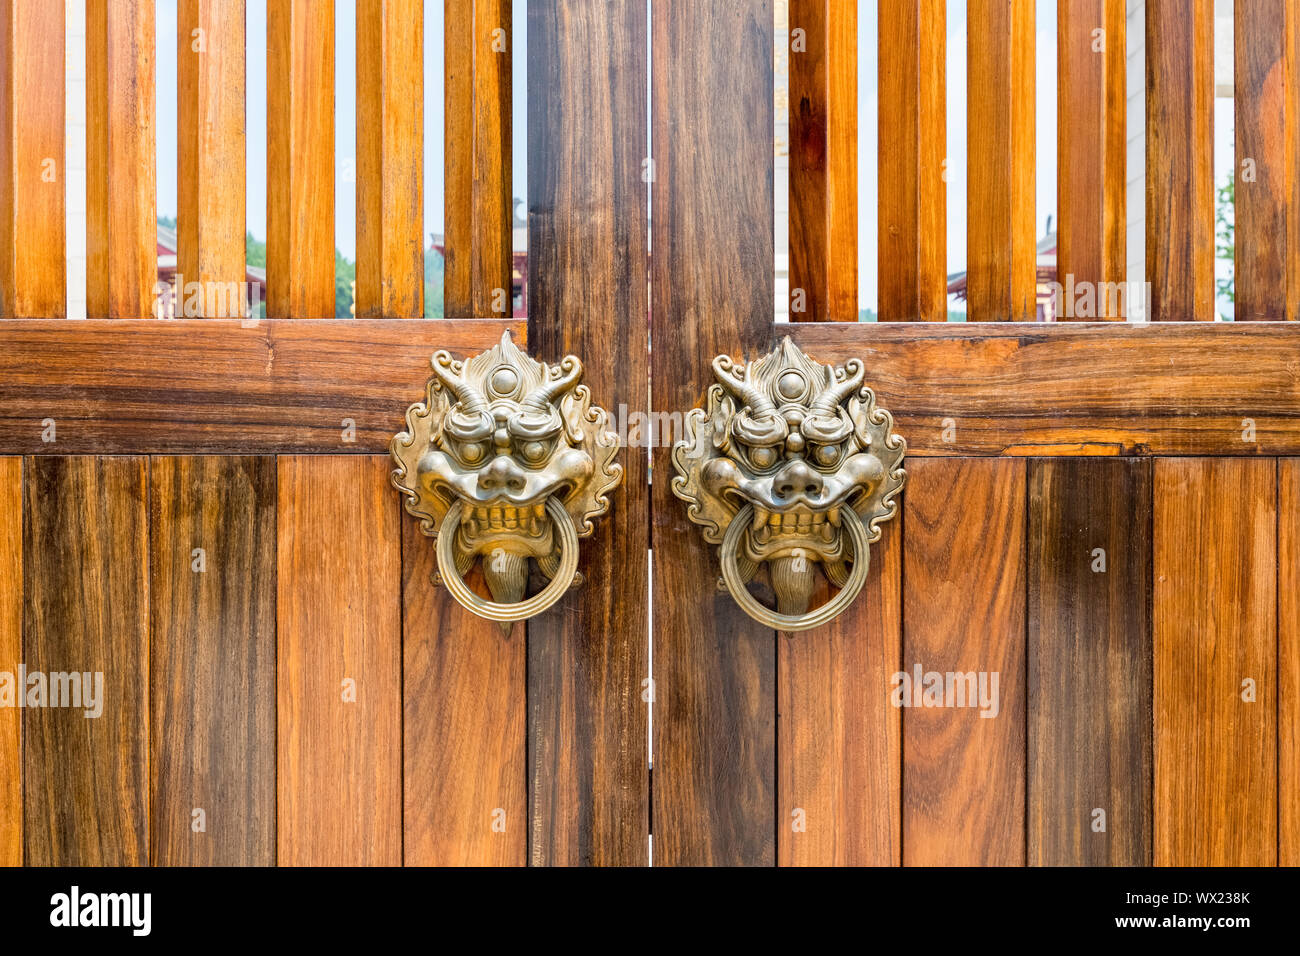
(763, 456)
(827, 455)
(473, 452)
(533, 451)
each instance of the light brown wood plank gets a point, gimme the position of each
(339, 630)
(1288, 658)
(11, 655)
(1215, 615)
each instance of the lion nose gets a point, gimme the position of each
(797, 478)
(502, 475)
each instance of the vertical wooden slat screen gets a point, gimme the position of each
(1000, 245)
(1179, 166)
(479, 207)
(33, 257)
(121, 190)
(823, 161)
(11, 655)
(588, 657)
(210, 132)
(1090, 159)
(712, 288)
(1267, 198)
(300, 159)
(1288, 658)
(390, 159)
(913, 139)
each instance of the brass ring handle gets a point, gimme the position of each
(735, 582)
(493, 610)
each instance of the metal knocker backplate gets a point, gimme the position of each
(793, 467)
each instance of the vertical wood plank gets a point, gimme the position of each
(86, 610)
(912, 145)
(839, 740)
(711, 292)
(964, 612)
(121, 188)
(33, 255)
(1090, 157)
(1214, 610)
(212, 657)
(1000, 240)
(1267, 129)
(339, 705)
(210, 218)
(479, 206)
(824, 161)
(1180, 168)
(11, 655)
(1288, 656)
(300, 159)
(1089, 661)
(588, 657)
(390, 159)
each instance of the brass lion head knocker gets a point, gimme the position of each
(506, 462)
(792, 465)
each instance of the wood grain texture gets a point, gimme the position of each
(711, 292)
(212, 660)
(464, 724)
(218, 386)
(1089, 729)
(390, 159)
(210, 217)
(839, 737)
(824, 161)
(1090, 156)
(86, 610)
(964, 612)
(300, 159)
(33, 255)
(1266, 81)
(1288, 659)
(1179, 164)
(121, 189)
(477, 161)
(588, 657)
(338, 615)
(912, 146)
(1000, 253)
(11, 655)
(1215, 614)
(1078, 388)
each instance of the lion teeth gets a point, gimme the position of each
(833, 516)
(761, 516)
(828, 531)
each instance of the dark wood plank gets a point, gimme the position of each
(1089, 578)
(11, 655)
(212, 661)
(1288, 658)
(218, 386)
(588, 657)
(711, 292)
(1215, 614)
(338, 620)
(86, 610)
(963, 613)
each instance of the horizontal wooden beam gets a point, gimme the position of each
(214, 386)
(1082, 389)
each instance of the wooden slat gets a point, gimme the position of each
(338, 620)
(210, 218)
(1288, 657)
(479, 205)
(121, 190)
(1215, 536)
(1266, 81)
(86, 610)
(840, 763)
(1000, 255)
(1089, 729)
(824, 161)
(1179, 165)
(587, 659)
(464, 721)
(33, 256)
(11, 655)
(300, 159)
(711, 292)
(912, 146)
(390, 159)
(1090, 157)
(217, 387)
(212, 661)
(964, 611)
